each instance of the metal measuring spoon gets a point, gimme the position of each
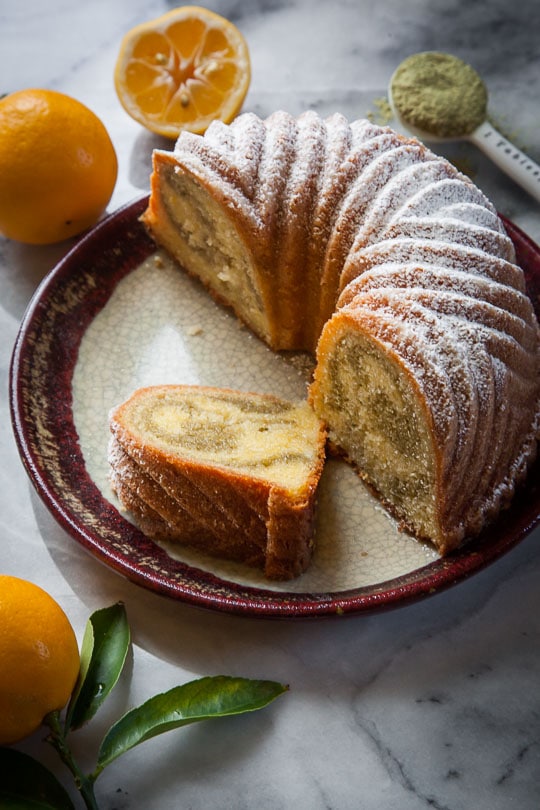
(438, 97)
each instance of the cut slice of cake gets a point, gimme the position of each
(233, 474)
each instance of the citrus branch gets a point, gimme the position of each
(57, 739)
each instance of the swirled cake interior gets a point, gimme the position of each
(234, 474)
(375, 413)
(201, 236)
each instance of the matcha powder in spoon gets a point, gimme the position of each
(439, 94)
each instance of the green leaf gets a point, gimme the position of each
(202, 699)
(103, 653)
(26, 784)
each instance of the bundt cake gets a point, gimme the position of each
(230, 473)
(357, 244)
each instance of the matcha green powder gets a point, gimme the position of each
(439, 94)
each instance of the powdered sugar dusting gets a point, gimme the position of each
(422, 263)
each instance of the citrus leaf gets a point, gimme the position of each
(27, 784)
(202, 699)
(103, 653)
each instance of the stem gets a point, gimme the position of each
(57, 739)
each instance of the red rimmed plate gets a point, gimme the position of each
(45, 359)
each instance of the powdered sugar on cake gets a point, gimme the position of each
(360, 242)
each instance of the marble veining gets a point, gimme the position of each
(430, 706)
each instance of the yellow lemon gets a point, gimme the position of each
(183, 70)
(39, 658)
(58, 166)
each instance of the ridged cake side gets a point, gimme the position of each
(364, 242)
(430, 287)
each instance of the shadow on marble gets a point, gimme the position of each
(209, 641)
(24, 268)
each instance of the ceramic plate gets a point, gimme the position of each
(114, 315)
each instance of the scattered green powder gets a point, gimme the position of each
(439, 94)
(382, 114)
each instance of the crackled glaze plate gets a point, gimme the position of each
(115, 315)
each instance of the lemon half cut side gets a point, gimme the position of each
(183, 70)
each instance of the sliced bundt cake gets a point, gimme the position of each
(353, 242)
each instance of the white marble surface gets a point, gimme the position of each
(434, 705)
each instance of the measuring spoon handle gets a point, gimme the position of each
(508, 157)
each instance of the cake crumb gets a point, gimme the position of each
(194, 330)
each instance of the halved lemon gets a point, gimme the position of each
(183, 70)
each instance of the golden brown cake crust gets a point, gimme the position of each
(355, 236)
(210, 505)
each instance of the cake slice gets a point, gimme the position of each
(233, 474)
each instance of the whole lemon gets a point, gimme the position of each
(39, 658)
(58, 166)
